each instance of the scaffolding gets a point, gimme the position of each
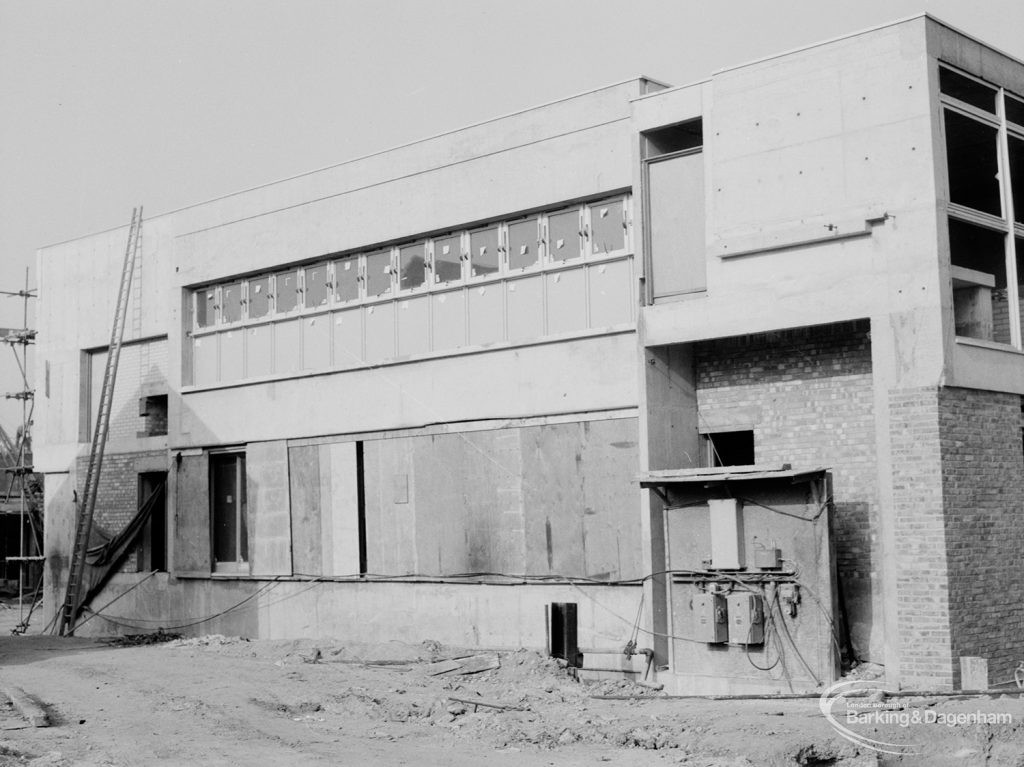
(22, 478)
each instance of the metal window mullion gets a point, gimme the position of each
(1009, 244)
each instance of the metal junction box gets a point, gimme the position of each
(710, 618)
(746, 618)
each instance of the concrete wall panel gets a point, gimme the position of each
(267, 493)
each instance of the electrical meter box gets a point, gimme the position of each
(746, 618)
(710, 618)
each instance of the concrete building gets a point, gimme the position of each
(429, 392)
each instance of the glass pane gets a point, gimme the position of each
(378, 273)
(259, 298)
(287, 294)
(316, 285)
(980, 304)
(346, 279)
(483, 252)
(967, 90)
(523, 244)
(206, 302)
(448, 258)
(1014, 110)
(973, 164)
(412, 266)
(607, 232)
(564, 235)
(1017, 177)
(231, 302)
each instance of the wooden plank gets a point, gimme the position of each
(340, 508)
(192, 554)
(442, 667)
(611, 530)
(269, 518)
(27, 707)
(304, 480)
(488, 703)
(475, 665)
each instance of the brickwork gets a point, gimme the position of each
(983, 493)
(117, 498)
(921, 573)
(807, 393)
(141, 371)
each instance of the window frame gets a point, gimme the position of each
(242, 563)
(1005, 223)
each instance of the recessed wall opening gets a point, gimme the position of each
(153, 412)
(674, 138)
(152, 554)
(729, 448)
(980, 305)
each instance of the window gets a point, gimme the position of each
(985, 174)
(378, 273)
(206, 307)
(412, 266)
(673, 177)
(346, 279)
(523, 244)
(729, 448)
(448, 258)
(231, 302)
(286, 291)
(564, 236)
(607, 226)
(316, 288)
(259, 298)
(228, 512)
(484, 256)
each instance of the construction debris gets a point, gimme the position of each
(27, 707)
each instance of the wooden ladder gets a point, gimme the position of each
(72, 599)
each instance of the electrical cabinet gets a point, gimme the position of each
(711, 618)
(746, 618)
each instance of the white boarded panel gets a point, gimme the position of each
(267, 491)
(316, 342)
(486, 316)
(448, 316)
(348, 338)
(566, 302)
(380, 332)
(259, 354)
(231, 355)
(676, 193)
(339, 509)
(204, 361)
(286, 346)
(413, 325)
(525, 301)
(611, 293)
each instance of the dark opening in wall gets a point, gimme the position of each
(971, 153)
(152, 553)
(153, 411)
(967, 90)
(730, 448)
(674, 138)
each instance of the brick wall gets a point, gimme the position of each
(983, 492)
(141, 371)
(921, 571)
(807, 393)
(117, 498)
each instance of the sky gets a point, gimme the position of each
(109, 104)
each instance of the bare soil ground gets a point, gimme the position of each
(229, 701)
